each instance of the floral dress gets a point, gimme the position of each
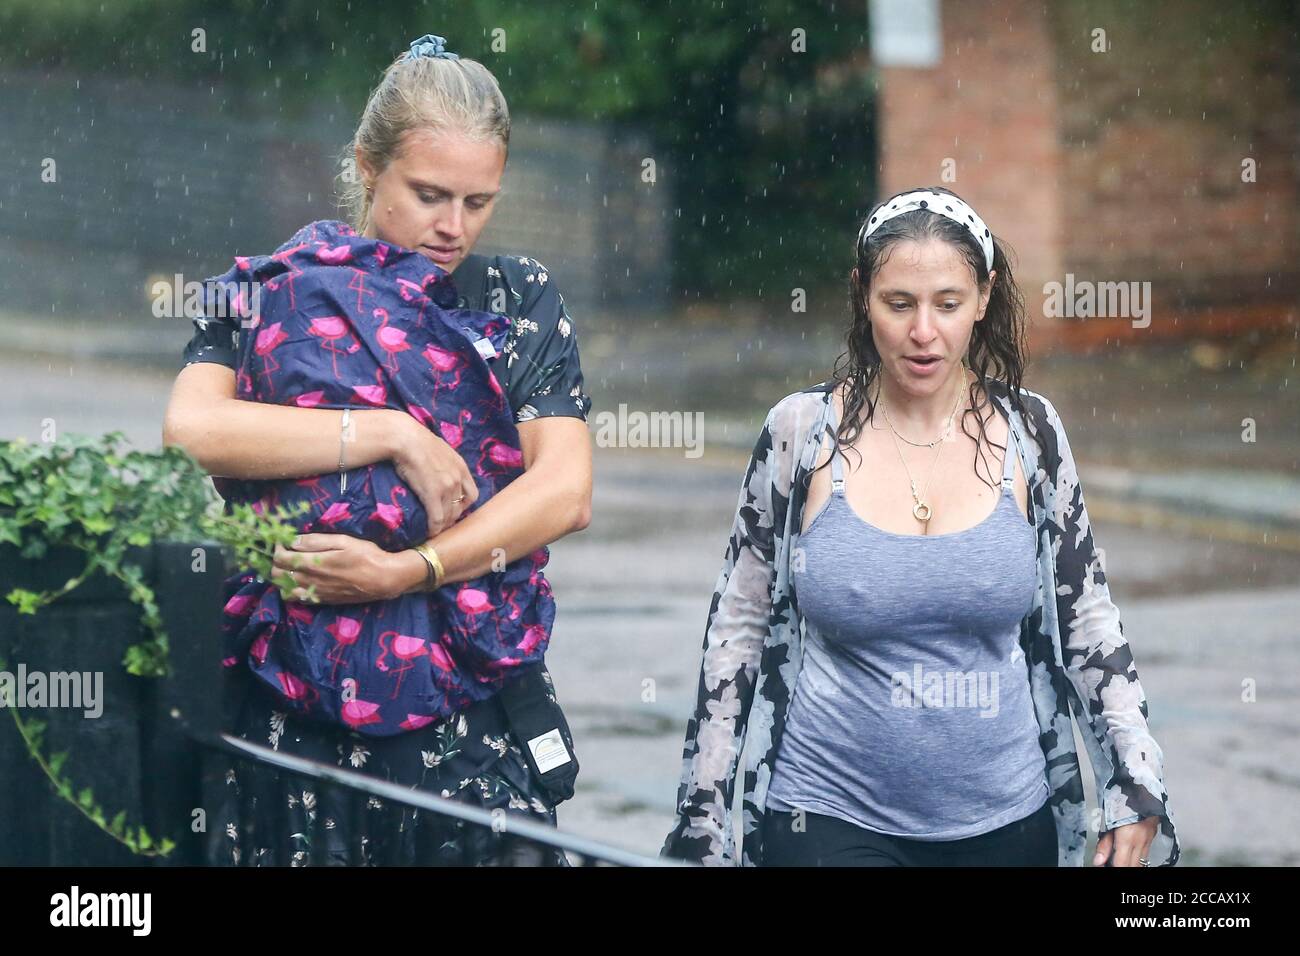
(267, 817)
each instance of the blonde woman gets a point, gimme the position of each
(430, 152)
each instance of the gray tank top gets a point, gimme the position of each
(912, 713)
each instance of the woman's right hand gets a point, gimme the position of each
(435, 472)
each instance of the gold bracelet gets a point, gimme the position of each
(436, 572)
(429, 575)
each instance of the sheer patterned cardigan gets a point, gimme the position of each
(1074, 645)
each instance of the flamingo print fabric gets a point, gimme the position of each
(339, 320)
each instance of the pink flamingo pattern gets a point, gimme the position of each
(444, 362)
(390, 512)
(381, 667)
(331, 328)
(345, 631)
(391, 339)
(406, 649)
(453, 433)
(376, 395)
(267, 340)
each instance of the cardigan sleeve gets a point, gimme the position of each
(1099, 663)
(734, 637)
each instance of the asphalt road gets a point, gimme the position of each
(633, 590)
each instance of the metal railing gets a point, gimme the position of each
(579, 850)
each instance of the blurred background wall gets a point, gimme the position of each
(1113, 157)
(1106, 138)
(155, 179)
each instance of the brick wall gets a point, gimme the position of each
(1154, 132)
(990, 105)
(1123, 165)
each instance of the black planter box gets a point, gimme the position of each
(137, 755)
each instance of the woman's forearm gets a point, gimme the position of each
(539, 507)
(234, 438)
(256, 440)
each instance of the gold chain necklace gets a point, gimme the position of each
(922, 511)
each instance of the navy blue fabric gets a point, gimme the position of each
(344, 321)
(538, 366)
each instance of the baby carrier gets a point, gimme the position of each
(342, 321)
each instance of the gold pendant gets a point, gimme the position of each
(920, 511)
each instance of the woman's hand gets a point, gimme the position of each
(436, 473)
(1131, 842)
(344, 569)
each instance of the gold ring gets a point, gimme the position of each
(454, 500)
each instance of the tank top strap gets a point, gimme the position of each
(1009, 459)
(837, 470)
(837, 465)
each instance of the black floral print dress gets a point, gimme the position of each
(265, 817)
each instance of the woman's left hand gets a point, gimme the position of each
(1131, 842)
(344, 569)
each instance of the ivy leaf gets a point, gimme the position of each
(86, 494)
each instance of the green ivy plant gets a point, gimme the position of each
(96, 496)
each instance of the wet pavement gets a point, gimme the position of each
(1201, 617)
(1207, 613)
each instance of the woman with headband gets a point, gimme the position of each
(404, 402)
(912, 602)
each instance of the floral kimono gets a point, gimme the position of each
(344, 321)
(1075, 650)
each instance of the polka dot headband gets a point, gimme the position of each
(940, 203)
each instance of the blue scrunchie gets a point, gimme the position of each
(430, 45)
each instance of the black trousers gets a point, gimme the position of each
(829, 841)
